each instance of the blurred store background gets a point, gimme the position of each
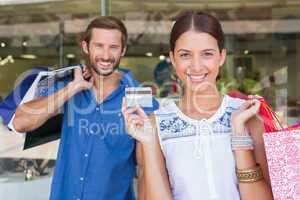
(262, 41)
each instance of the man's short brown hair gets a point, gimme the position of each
(106, 22)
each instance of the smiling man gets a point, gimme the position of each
(96, 159)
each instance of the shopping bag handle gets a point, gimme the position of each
(270, 118)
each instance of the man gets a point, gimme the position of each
(96, 157)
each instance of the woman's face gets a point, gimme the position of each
(197, 59)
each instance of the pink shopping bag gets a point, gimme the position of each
(283, 155)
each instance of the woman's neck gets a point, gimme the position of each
(202, 104)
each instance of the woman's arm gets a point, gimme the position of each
(244, 119)
(156, 176)
(140, 172)
(247, 159)
(153, 181)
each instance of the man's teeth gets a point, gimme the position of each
(105, 63)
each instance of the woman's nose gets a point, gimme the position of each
(197, 64)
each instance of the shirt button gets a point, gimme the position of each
(81, 178)
(77, 199)
(119, 114)
(97, 108)
(86, 155)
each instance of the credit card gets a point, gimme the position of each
(141, 96)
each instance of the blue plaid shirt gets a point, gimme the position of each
(96, 157)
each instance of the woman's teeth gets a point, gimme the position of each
(197, 77)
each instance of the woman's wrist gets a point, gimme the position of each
(249, 175)
(244, 159)
(149, 131)
(238, 128)
(241, 139)
(149, 143)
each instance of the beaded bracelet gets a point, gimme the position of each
(249, 175)
(243, 142)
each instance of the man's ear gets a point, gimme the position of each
(124, 51)
(85, 47)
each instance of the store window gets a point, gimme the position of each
(262, 42)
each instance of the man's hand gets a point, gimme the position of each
(79, 83)
(86, 73)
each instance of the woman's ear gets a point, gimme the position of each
(171, 55)
(223, 57)
(85, 47)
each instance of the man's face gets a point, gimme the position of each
(104, 50)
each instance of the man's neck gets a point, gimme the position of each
(105, 85)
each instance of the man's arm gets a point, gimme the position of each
(33, 114)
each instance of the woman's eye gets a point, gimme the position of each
(208, 54)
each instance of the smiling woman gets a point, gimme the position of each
(197, 59)
(203, 144)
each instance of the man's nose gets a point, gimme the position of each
(106, 54)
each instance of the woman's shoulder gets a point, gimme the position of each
(166, 106)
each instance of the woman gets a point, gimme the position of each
(205, 145)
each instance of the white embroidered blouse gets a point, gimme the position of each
(199, 159)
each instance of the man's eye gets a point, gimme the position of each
(114, 47)
(184, 55)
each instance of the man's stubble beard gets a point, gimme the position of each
(95, 69)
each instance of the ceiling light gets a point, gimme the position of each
(162, 57)
(70, 56)
(2, 44)
(28, 56)
(24, 44)
(149, 54)
(8, 59)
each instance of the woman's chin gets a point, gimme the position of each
(202, 88)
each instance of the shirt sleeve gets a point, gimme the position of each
(155, 106)
(47, 91)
